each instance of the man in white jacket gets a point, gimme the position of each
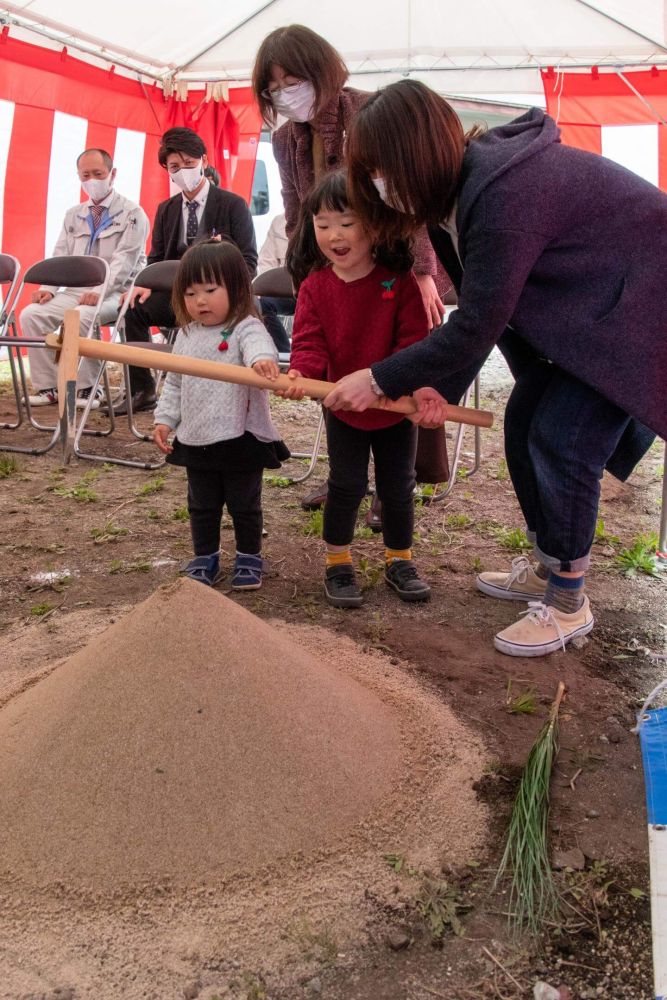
(107, 225)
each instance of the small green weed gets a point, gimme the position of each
(110, 532)
(155, 485)
(477, 565)
(138, 566)
(370, 575)
(602, 536)
(181, 514)
(81, 491)
(640, 557)
(456, 521)
(502, 472)
(313, 945)
(523, 703)
(9, 466)
(278, 481)
(39, 610)
(153, 515)
(363, 531)
(513, 539)
(314, 524)
(439, 906)
(399, 864)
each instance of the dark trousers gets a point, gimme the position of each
(394, 449)
(208, 492)
(155, 311)
(559, 435)
(272, 310)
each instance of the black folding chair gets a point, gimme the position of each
(62, 272)
(159, 277)
(276, 283)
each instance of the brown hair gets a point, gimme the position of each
(218, 264)
(303, 54)
(411, 137)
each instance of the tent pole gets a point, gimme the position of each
(622, 24)
(222, 38)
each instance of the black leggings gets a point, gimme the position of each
(394, 449)
(208, 492)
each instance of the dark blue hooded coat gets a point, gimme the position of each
(569, 250)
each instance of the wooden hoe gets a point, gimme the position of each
(70, 347)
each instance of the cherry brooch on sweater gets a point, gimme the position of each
(223, 345)
(388, 287)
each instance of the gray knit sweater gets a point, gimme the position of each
(203, 411)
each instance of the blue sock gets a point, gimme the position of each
(565, 593)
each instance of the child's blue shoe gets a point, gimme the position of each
(204, 569)
(247, 573)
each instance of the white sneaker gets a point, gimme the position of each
(83, 395)
(543, 629)
(44, 397)
(521, 583)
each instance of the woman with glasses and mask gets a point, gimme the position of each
(299, 76)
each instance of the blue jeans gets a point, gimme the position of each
(559, 435)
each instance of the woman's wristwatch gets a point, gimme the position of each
(374, 386)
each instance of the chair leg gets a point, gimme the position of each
(16, 387)
(314, 454)
(458, 444)
(662, 538)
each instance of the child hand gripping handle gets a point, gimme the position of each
(161, 434)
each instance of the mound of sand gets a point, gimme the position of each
(188, 739)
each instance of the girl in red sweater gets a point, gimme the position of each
(357, 304)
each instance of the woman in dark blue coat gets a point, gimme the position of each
(559, 257)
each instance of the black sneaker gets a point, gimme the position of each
(341, 587)
(402, 576)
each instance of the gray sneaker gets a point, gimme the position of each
(341, 587)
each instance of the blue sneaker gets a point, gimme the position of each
(204, 569)
(247, 573)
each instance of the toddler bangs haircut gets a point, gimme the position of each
(331, 194)
(214, 263)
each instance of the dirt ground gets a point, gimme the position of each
(81, 545)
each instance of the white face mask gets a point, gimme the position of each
(295, 102)
(396, 203)
(188, 178)
(98, 188)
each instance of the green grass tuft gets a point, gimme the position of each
(640, 557)
(9, 465)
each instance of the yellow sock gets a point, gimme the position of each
(339, 557)
(391, 554)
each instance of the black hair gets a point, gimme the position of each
(213, 175)
(180, 140)
(217, 263)
(108, 162)
(303, 253)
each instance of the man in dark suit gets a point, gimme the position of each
(201, 211)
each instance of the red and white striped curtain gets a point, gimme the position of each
(620, 115)
(53, 106)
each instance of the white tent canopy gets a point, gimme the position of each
(492, 47)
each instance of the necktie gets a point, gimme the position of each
(96, 211)
(193, 225)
